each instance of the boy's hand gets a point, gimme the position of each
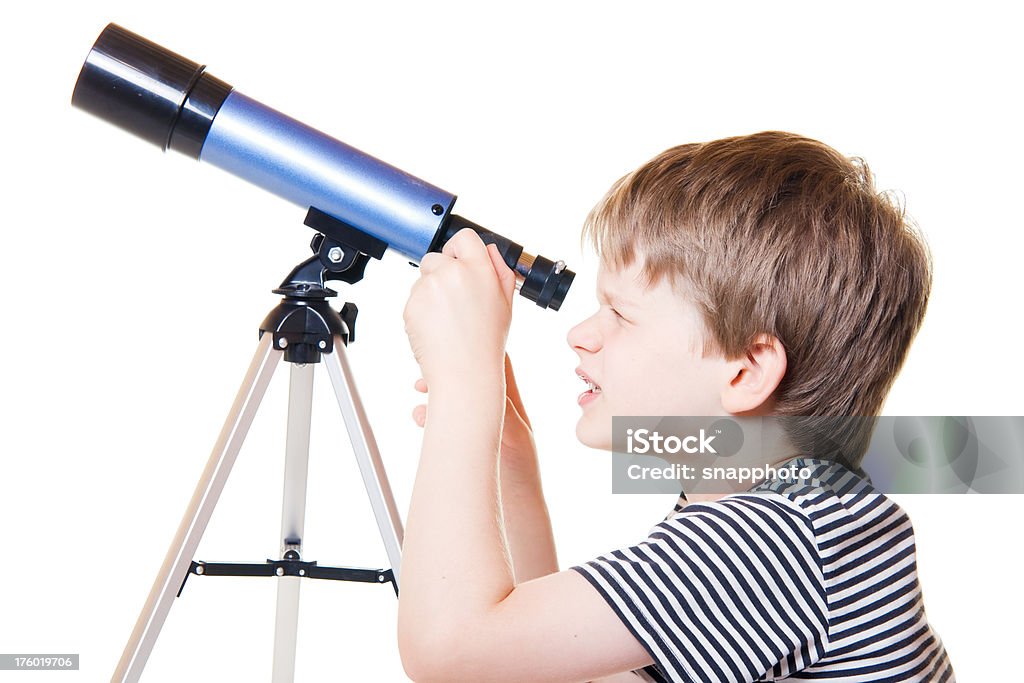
(458, 313)
(516, 435)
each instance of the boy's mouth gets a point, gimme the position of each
(593, 388)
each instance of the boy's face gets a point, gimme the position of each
(642, 349)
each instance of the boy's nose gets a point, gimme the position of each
(584, 337)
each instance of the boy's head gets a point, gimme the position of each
(753, 275)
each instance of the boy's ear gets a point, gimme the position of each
(753, 378)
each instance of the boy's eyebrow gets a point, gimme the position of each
(615, 299)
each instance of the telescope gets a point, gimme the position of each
(352, 197)
(359, 207)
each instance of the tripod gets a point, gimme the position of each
(303, 330)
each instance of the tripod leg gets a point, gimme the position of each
(296, 469)
(193, 524)
(364, 446)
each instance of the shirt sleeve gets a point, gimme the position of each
(724, 591)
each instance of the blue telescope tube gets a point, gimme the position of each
(308, 168)
(174, 103)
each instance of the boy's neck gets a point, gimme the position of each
(775, 450)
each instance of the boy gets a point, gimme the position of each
(759, 275)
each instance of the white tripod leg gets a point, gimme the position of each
(193, 524)
(296, 469)
(371, 467)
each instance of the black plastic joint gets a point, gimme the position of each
(303, 328)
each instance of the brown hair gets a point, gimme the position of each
(780, 234)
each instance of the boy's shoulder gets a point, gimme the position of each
(823, 568)
(833, 505)
(840, 504)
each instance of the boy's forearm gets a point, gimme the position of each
(527, 522)
(455, 564)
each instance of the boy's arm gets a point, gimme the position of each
(526, 520)
(461, 615)
(625, 677)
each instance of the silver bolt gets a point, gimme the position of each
(280, 571)
(199, 569)
(335, 254)
(302, 572)
(380, 578)
(282, 342)
(559, 267)
(323, 344)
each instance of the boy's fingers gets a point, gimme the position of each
(420, 385)
(465, 244)
(512, 391)
(431, 261)
(419, 415)
(512, 412)
(501, 269)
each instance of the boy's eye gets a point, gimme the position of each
(614, 311)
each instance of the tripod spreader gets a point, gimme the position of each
(291, 566)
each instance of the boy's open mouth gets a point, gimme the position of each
(593, 388)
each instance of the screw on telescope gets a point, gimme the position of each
(437, 209)
(335, 254)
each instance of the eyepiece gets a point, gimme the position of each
(546, 282)
(149, 91)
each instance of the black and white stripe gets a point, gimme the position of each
(810, 580)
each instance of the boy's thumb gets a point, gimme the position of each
(505, 274)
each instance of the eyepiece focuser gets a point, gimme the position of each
(540, 280)
(172, 102)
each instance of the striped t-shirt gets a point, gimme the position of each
(809, 580)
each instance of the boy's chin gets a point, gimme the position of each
(592, 436)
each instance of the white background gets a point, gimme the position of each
(134, 283)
